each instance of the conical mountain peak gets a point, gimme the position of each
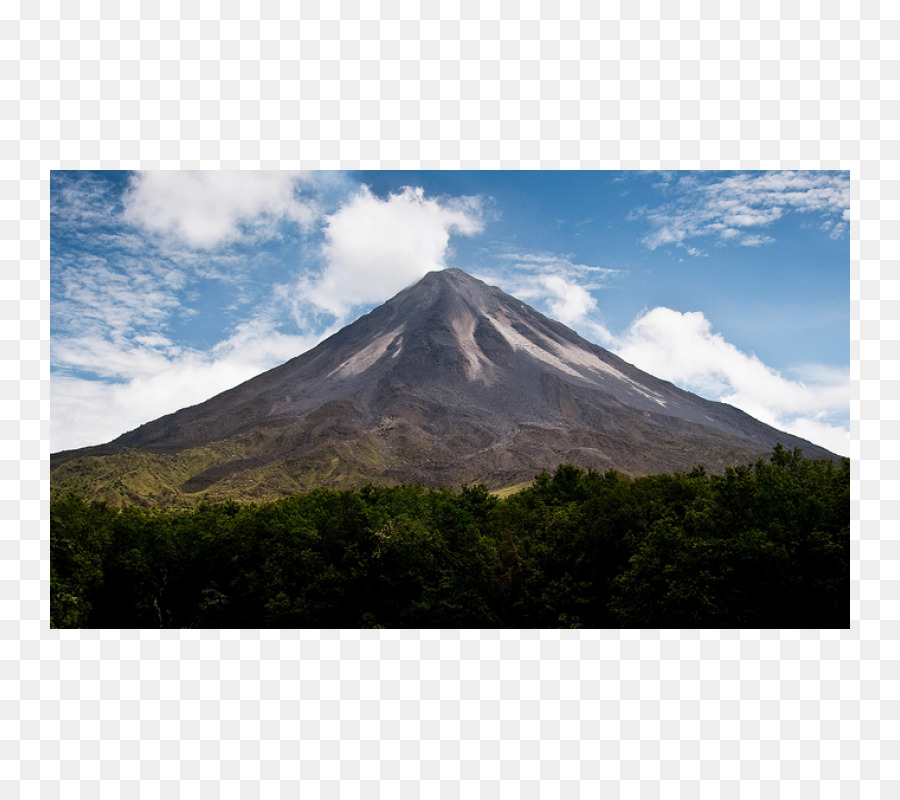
(451, 381)
(450, 275)
(445, 284)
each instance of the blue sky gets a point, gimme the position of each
(169, 287)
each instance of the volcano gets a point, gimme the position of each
(450, 382)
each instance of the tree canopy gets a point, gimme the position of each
(762, 545)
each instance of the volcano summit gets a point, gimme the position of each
(451, 381)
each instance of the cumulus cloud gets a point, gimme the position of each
(562, 287)
(721, 210)
(683, 348)
(373, 248)
(206, 209)
(568, 301)
(564, 298)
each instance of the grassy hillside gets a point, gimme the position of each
(237, 469)
(213, 473)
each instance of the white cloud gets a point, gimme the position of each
(683, 348)
(93, 296)
(565, 299)
(205, 209)
(148, 381)
(374, 248)
(830, 436)
(80, 200)
(109, 359)
(722, 209)
(558, 285)
(755, 240)
(568, 302)
(556, 264)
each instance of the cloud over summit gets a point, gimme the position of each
(373, 248)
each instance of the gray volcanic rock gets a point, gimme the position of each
(451, 381)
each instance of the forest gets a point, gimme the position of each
(763, 545)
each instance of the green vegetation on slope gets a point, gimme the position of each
(763, 545)
(214, 473)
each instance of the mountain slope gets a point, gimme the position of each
(451, 381)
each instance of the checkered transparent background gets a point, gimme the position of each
(351, 84)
